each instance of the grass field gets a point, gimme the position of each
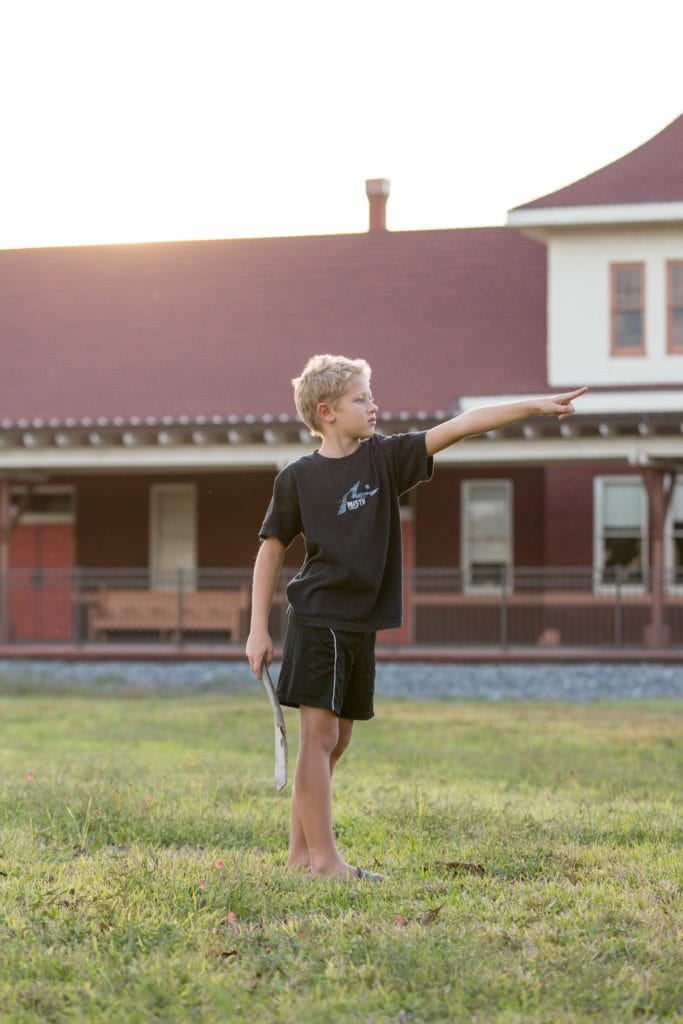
(533, 855)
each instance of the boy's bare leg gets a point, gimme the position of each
(319, 738)
(299, 855)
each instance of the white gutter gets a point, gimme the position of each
(577, 216)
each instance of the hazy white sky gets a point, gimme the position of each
(126, 121)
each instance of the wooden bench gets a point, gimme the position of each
(168, 614)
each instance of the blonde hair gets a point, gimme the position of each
(324, 379)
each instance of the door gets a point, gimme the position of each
(173, 535)
(41, 561)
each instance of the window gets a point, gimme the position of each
(620, 529)
(47, 503)
(173, 535)
(675, 306)
(486, 533)
(628, 309)
(674, 535)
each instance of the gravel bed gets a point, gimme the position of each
(418, 681)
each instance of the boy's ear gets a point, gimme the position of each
(325, 412)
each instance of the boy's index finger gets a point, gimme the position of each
(571, 395)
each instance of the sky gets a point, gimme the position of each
(142, 121)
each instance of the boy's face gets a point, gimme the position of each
(355, 413)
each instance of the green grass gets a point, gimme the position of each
(112, 908)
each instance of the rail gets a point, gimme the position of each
(571, 607)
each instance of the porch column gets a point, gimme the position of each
(4, 558)
(659, 494)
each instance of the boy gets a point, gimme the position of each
(344, 499)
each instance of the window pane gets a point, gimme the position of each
(624, 551)
(629, 330)
(488, 574)
(624, 554)
(677, 500)
(676, 283)
(677, 328)
(53, 503)
(623, 506)
(628, 287)
(487, 524)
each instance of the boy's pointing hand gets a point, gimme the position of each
(560, 405)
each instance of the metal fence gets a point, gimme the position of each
(575, 607)
(570, 607)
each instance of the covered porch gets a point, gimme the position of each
(145, 534)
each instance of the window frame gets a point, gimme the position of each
(599, 486)
(466, 488)
(621, 351)
(671, 348)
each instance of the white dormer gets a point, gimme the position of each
(615, 268)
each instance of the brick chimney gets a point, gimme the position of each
(377, 191)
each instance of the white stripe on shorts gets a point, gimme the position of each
(334, 678)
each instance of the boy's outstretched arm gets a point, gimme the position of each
(266, 571)
(490, 417)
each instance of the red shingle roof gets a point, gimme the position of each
(220, 327)
(652, 173)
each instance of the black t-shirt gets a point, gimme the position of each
(348, 512)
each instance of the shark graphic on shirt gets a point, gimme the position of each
(355, 498)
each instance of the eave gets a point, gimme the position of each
(628, 437)
(539, 221)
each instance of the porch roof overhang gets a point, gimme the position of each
(630, 435)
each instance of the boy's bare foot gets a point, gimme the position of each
(300, 865)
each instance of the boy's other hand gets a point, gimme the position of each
(560, 405)
(259, 650)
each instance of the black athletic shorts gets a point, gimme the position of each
(328, 668)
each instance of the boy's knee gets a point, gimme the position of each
(319, 728)
(343, 740)
(340, 746)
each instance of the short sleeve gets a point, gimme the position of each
(412, 465)
(283, 516)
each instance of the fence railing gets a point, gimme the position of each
(443, 606)
(577, 606)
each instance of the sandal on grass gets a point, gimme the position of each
(368, 876)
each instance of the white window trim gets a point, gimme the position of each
(599, 482)
(465, 490)
(155, 493)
